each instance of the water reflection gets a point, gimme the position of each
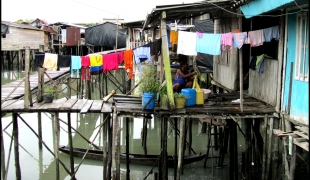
(37, 164)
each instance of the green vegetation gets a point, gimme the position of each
(149, 82)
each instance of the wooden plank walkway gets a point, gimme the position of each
(217, 105)
(33, 80)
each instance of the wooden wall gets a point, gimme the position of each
(19, 38)
(263, 86)
(225, 66)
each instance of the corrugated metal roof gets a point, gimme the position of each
(22, 26)
(49, 29)
(184, 11)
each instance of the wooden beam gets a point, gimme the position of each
(166, 59)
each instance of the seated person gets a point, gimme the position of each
(183, 79)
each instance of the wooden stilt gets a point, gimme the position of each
(115, 147)
(2, 154)
(109, 149)
(181, 149)
(20, 60)
(264, 147)
(208, 144)
(190, 135)
(248, 148)
(175, 146)
(71, 146)
(286, 174)
(269, 148)
(56, 143)
(40, 129)
(293, 162)
(144, 136)
(216, 145)
(275, 151)
(164, 149)
(105, 147)
(16, 149)
(127, 149)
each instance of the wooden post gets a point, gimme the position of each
(20, 56)
(127, 149)
(164, 149)
(69, 87)
(115, 147)
(40, 84)
(40, 129)
(16, 149)
(175, 146)
(28, 96)
(190, 135)
(284, 150)
(144, 135)
(110, 143)
(105, 147)
(56, 143)
(3, 172)
(281, 59)
(248, 145)
(264, 147)
(166, 59)
(293, 163)
(181, 149)
(275, 151)
(71, 145)
(269, 148)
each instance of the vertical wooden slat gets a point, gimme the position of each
(40, 84)
(241, 67)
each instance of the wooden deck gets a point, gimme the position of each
(218, 105)
(33, 80)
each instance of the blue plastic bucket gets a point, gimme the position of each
(145, 98)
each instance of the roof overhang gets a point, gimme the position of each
(258, 7)
(176, 12)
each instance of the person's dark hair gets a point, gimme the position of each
(182, 63)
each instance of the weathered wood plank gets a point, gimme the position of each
(86, 107)
(304, 145)
(57, 103)
(96, 106)
(79, 104)
(68, 104)
(301, 134)
(14, 106)
(6, 103)
(106, 108)
(303, 129)
(36, 105)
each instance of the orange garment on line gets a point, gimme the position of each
(50, 61)
(128, 61)
(174, 38)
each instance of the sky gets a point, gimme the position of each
(80, 11)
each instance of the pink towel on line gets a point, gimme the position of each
(256, 37)
(227, 40)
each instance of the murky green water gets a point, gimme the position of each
(36, 164)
